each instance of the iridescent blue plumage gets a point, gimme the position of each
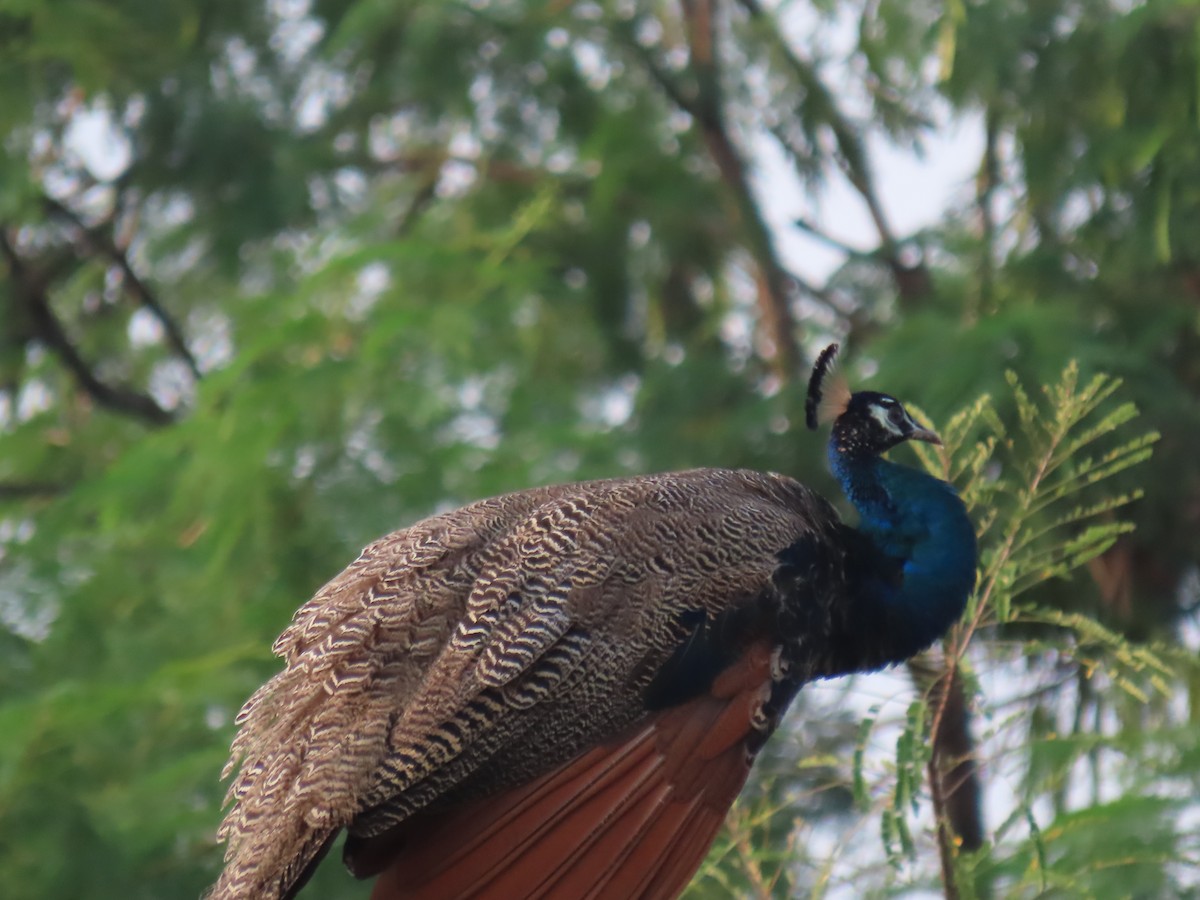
(924, 570)
(910, 563)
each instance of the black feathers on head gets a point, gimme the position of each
(874, 423)
(866, 422)
(828, 393)
(814, 384)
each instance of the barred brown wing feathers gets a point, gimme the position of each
(630, 818)
(636, 554)
(311, 736)
(432, 662)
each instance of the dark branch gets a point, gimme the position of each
(988, 180)
(954, 783)
(912, 281)
(51, 332)
(425, 195)
(24, 490)
(704, 106)
(774, 282)
(103, 243)
(954, 761)
(830, 241)
(668, 85)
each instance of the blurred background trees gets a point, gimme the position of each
(278, 278)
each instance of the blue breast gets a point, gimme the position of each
(919, 524)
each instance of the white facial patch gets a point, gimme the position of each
(881, 414)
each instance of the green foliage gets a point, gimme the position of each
(1038, 492)
(1053, 524)
(1039, 496)
(1038, 519)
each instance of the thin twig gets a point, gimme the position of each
(912, 280)
(103, 243)
(960, 636)
(829, 240)
(51, 332)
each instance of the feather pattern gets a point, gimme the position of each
(558, 693)
(586, 829)
(828, 392)
(447, 645)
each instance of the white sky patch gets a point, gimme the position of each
(1189, 596)
(737, 331)
(100, 144)
(458, 174)
(370, 283)
(591, 62)
(323, 90)
(296, 32)
(33, 398)
(915, 193)
(351, 185)
(171, 383)
(27, 609)
(613, 407)
(216, 716)
(212, 340)
(144, 328)
(915, 188)
(363, 446)
(304, 463)
(474, 427)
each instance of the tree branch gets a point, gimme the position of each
(24, 490)
(101, 242)
(674, 93)
(953, 773)
(51, 332)
(830, 241)
(774, 283)
(912, 280)
(954, 762)
(985, 187)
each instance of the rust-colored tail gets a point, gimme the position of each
(629, 820)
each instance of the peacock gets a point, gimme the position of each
(558, 693)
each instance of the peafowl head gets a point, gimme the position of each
(865, 423)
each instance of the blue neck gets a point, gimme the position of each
(919, 564)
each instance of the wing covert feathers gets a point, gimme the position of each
(628, 820)
(473, 652)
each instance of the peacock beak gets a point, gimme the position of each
(923, 434)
